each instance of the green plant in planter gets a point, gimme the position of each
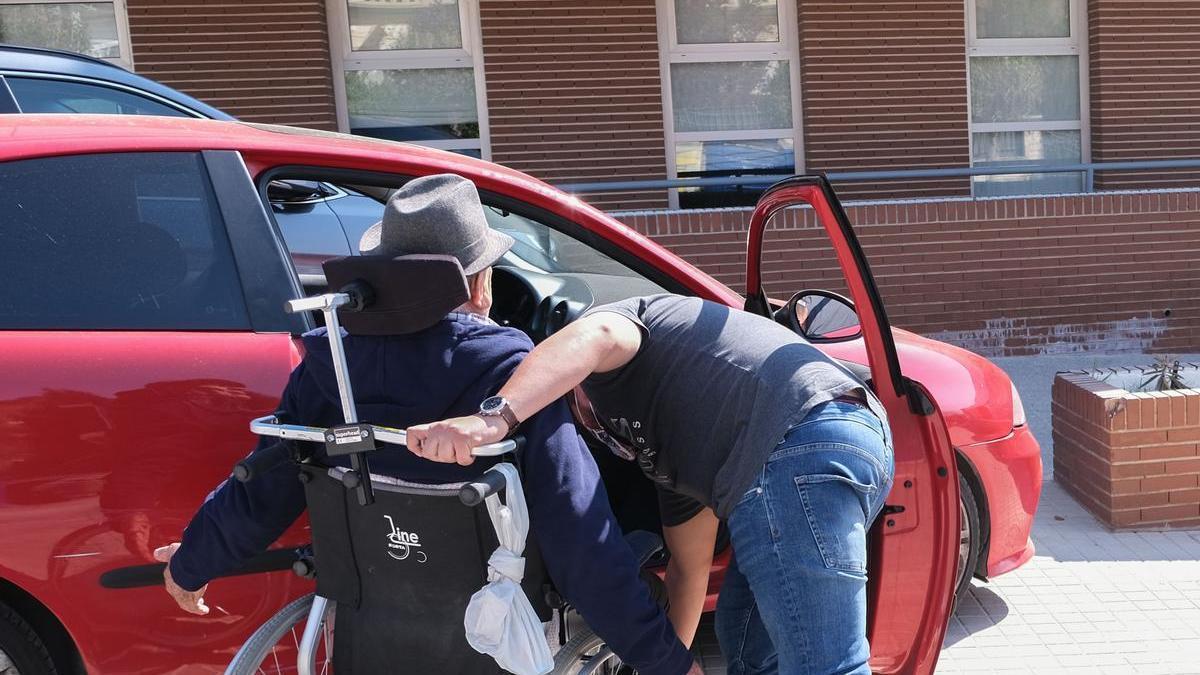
(1164, 375)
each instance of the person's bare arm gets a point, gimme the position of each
(598, 343)
(691, 545)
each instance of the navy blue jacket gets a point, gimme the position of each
(443, 372)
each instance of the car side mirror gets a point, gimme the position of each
(820, 316)
(292, 192)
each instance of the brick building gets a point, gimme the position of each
(587, 90)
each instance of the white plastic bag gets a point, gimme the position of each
(500, 621)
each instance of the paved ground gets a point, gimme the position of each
(1091, 601)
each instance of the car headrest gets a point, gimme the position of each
(407, 294)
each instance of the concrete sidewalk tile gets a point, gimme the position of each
(1040, 619)
(1091, 601)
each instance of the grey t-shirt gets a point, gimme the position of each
(710, 393)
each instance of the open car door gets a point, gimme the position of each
(914, 544)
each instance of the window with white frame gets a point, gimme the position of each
(98, 29)
(1029, 99)
(730, 93)
(410, 70)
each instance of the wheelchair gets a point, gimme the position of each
(401, 559)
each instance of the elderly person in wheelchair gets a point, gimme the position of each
(405, 374)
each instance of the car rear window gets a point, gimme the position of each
(118, 241)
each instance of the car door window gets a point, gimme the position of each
(42, 95)
(115, 241)
(313, 236)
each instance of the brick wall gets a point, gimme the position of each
(885, 87)
(1145, 87)
(575, 93)
(1131, 459)
(260, 60)
(1001, 277)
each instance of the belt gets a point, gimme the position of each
(851, 399)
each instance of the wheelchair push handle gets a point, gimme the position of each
(491, 482)
(271, 426)
(262, 461)
(473, 494)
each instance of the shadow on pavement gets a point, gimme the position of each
(978, 609)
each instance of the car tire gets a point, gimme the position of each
(21, 650)
(969, 540)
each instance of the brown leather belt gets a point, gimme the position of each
(852, 399)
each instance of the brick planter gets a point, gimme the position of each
(1132, 459)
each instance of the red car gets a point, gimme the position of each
(144, 283)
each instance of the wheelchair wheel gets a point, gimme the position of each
(586, 654)
(273, 648)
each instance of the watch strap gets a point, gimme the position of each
(510, 418)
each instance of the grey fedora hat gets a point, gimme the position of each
(439, 214)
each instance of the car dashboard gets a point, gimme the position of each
(540, 304)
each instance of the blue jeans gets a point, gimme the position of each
(795, 594)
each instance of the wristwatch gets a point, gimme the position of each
(497, 406)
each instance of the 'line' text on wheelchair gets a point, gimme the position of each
(402, 544)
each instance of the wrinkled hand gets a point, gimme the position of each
(452, 440)
(188, 601)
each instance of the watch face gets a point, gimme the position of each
(491, 404)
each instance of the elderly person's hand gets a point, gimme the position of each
(188, 601)
(452, 440)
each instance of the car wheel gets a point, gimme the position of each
(968, 536)
(22, 652)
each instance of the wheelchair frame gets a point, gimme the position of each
(358, 438)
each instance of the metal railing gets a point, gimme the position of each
(1089, 170)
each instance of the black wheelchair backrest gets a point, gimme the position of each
(409, 564)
